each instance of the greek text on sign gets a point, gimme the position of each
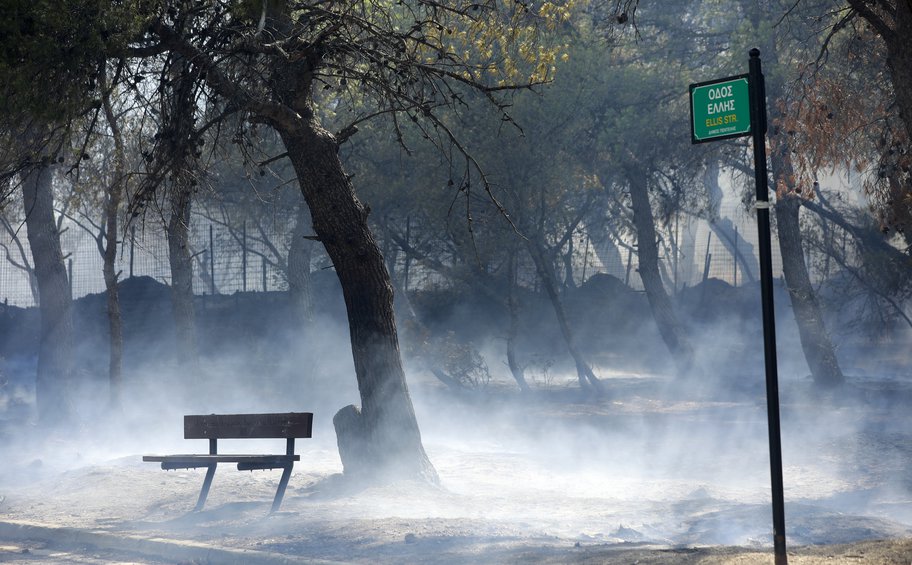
(720, 109)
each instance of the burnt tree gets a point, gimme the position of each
(270, 62)
(670, 327)
(107, 245)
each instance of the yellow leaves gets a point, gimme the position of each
(504, 42)
(554, 14)
(526, 51)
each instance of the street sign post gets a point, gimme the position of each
(720, 109)
(736, 107)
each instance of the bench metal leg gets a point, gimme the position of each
(280, 492)
(207, 482)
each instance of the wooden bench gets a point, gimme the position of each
(213, 427)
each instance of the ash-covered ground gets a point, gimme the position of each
(539, 476)
(661, 469)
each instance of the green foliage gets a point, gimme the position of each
(51, 52)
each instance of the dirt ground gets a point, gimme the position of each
(881, 552)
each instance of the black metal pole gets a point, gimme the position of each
(132, 247)
(244, 255)
(758, 121)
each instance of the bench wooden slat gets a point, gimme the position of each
(248, 426)
(227, 458)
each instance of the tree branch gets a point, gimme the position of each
(221, 83)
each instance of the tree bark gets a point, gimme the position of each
(899, 57)
(180, 197)
(670, 328)
(380, 440)
(55, 348)
(299, 258)
(815, 341)
(112, 204)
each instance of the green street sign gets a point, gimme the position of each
(720, 109)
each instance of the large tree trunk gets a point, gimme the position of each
(895, 32)
(666, 319)
(182, 274)
(380, 440)
(545, 269)
(55, 348)
(815, 341)
(899, 61)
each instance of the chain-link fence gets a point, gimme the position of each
(251, 257)
(226, 259)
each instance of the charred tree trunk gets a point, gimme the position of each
(899, 61)
(55, 347)
(299, 258)
(545, 270)
(115, 320)
(113, 200)
(670, 328)
(180, 197)
(381, 439)
(815, 341)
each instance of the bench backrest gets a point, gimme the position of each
(252, 426)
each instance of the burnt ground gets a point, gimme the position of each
(659, 470)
